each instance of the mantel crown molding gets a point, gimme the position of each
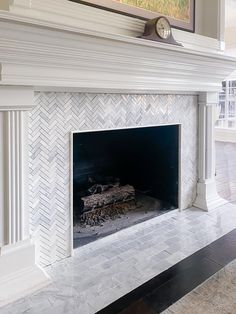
(50, 56)
(16, 98)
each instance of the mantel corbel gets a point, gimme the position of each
(17, 252)
(16, 98)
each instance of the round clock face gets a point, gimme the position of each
(163, 28)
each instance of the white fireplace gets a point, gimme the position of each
(59, 78)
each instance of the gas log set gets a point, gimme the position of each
(106, 200)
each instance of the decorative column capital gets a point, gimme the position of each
(208, 98)
(20, 98)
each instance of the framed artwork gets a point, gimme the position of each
(179, 12)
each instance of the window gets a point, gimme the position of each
(227, 105)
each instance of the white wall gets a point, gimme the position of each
(4, 4)
(210, 16)
(230, 27)
(1, 180)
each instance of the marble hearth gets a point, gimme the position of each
(56, 79)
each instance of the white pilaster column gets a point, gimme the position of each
(19, 273)
(207, 196)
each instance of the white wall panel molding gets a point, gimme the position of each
(207, 196)
(15, 244)
(75, 58)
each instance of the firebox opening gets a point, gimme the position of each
(122, 177)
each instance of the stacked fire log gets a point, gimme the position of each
(106, 202)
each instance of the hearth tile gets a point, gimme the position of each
(160, 256)
(126, 254)
(171, 233)
(176, 257)
(189, 250)
(112, 252)
(161, 266)
(173, 240)
(156, 248)
(174, 247)
(108, 264)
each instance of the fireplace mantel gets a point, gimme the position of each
(39, 55)
(51, 56)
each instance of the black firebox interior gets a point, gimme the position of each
(146, 158)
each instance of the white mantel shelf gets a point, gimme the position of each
(52, 56)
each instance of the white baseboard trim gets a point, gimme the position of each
(19, 274)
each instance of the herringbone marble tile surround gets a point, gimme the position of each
(51, 123)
